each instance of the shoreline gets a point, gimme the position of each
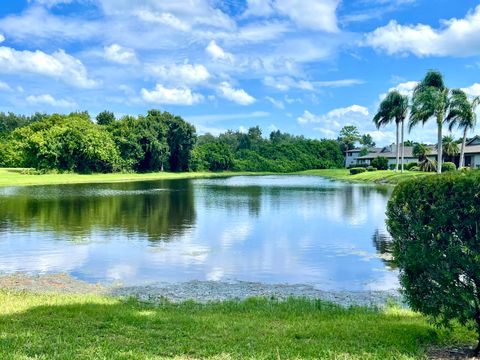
(198, 291)
(15, 177)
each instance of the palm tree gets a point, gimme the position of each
(393, 108)
(430, 99)
(462, 115)
(450, 147)
(421, 151)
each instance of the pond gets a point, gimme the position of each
(270, 229)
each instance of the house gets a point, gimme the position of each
(472, 154)
(390, 153)
(352, 155)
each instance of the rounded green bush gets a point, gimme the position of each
(414, 168)
(434, 223)
(371, 168)
(357, 170)
(409, 166)
(448, 166)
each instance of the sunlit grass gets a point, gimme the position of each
(380, 176)
(99, 327)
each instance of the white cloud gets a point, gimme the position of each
(48, 99)
(259, 8)
(120, 54)
(173, 96)
(2, 38)
(217, 53)
(238, 96)
(331, 122)
(456, 37)
(473, 90)
(183, 74)
(277, 103)
(223, 117)
(405, 88)
(163, 18)
(319, 15)
(4, 86)
(58, 65)
(285, 83)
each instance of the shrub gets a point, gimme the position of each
(415, 168)
(371, 168)
(428, 165)
(357, 170)
(448, 166)
(436, 244)
(409, 166)
(381, 163)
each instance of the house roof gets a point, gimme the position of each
(371, 149)
(388, 153)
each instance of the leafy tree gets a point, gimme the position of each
(214, 156)
(367, 140)
(181, 138)
(436, 245)
(105, 118)
(347, 138)
(393, 108)
(461, 114)
(430, 99)
(381, 163)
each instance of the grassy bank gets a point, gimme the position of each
(15, 177)
(380, 176)
(94, 327)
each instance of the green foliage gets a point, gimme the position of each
(448, 166)
(427, 165)
(381, 163)
(367, 140)
(363, 152)
(421, 151)
(410, 165)
(348, 136)
(213, 156)
(357, 170)
(371, 168)
(105, 118)
(280, 153)
(415, 168)
(435, 230)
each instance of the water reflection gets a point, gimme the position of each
(383, 243)
(277, 229)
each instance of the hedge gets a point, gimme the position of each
(357, 170)
(435, 225)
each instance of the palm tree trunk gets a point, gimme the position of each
(439, 144)
(462, 151)
(396, 145)
(403, 145)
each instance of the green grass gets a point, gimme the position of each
(43, 326)
(380, 176)
(16, 177)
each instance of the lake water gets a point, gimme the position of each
(272, 229)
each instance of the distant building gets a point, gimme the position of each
(352, 155)
(472, 154)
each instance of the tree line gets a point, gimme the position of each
(153, 142)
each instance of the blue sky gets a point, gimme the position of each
(302, 66)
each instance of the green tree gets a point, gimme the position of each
(393, 108)
(348, 137)
(450, 147)
(367, 140)
(105, 118)
(430, 100)
(420, 151)
(436, 246)
(461, 114)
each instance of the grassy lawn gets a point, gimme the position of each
(381, 176)
(97, 327)
(15, 177)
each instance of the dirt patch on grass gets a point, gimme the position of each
(48, 283)
(461, 353)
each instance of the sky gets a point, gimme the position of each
(307, 67)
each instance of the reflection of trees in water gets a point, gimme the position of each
(383, 243)
(234, 198)
(153, 209)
